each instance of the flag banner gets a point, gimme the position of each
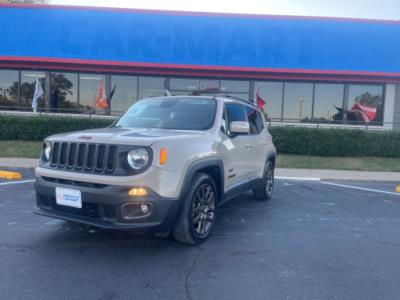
(259, 101)
(38, 93)
(367, 112)
(101, 99)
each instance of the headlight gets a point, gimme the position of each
(138, 158)
(47, 151)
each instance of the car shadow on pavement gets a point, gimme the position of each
(233, 215)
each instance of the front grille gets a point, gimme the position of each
(84, 157)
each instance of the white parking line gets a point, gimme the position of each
(360, 188)
(298, 178)
(17, 182)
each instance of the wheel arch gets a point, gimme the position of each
(213, 167)
(271, 157)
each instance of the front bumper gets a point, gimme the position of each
(102, 206)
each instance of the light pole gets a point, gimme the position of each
(301, 102)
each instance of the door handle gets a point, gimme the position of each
(248, 147)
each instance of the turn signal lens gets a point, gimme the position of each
(138, 192)
(163, 156)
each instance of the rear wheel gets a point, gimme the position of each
(265, 190)
(197, 217)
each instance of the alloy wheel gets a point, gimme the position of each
(269, 181)
(203, 210)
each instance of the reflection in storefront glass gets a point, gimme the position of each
(181, 84)
(151, 87)
(271, 93)
(240, 86)
(64, 92)
(124, 92)
(9, 89)
(328, 102)
(28, 83)
(91, 92)
(365, 104)
(209, 86)
(298, 101)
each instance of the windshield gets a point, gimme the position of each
(171, 113)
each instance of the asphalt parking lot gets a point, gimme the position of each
(311, 241)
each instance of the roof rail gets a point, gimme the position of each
(234, 97)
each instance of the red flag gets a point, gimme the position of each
(367, 112)
(101, 99)
(260, 101)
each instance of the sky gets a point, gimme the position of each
(371, 9)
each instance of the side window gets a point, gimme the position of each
(235, 112)
(255, 120)
(260, 122)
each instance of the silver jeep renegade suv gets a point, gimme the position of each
(164, 166)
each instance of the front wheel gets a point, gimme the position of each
(197, 217)
(265, 190)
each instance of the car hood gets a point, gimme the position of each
(125, 136)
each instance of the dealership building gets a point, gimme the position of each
(306, 69)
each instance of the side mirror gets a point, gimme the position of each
(239, 127)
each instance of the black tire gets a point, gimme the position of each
(186, 229)
(265, 190)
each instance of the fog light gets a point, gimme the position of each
(144, 208)
(131, 211)
(138, 192)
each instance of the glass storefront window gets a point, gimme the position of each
(271, 93)
(182, 84)
(125, 92)
(64, 92)
(91, 92)
(28, 84)
(298, 101)
(9, 84)
(365, 103)
(231, 86)
(151, 87)
(242, 96)
(328, 102)
(180, 93)
(301, 101)
(209, 86)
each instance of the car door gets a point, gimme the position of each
(235, 147)
(258, 143)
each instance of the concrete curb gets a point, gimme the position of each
(10, 175)
(285, 174)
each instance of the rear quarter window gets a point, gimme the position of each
(255, 120)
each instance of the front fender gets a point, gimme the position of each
(199, 165)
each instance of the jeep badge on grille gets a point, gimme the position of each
(85, 137)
